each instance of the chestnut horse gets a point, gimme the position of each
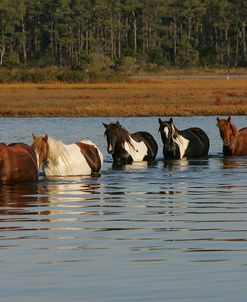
(58, 159)
(234, 140)
(18, 163)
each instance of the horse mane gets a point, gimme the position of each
(175, 131)
(122, 133)
(56, 149)
(234, 129)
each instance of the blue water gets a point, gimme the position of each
(160, 232)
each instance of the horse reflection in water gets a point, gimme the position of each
(17, 199)
(234, 140)
(184, 164)
(75, 196)
(231, 162)
(50, 199)
(72, 189)
(126, 147)
(58, 159)
(18, 163)
(191, 142)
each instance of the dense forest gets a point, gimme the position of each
(167, 33)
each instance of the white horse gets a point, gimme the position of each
(58, 159)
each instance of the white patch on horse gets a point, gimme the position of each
(166, 131)
(67, 159)
(182, 144)
(138, 150)
(110, 148)
(37, 157)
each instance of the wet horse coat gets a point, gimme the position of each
(191, 142)
(234, 140)
(18, 163)
(58, 159)
(126, 147)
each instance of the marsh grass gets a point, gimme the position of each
(135, 97)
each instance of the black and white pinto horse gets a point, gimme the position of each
(191, 142)
(126, 147)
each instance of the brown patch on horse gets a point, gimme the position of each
(91, 155)
(18, 163)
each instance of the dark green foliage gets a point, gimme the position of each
(94, 36)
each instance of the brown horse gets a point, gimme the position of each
(18, 163)
(234, 140)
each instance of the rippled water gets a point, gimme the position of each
(163, 232)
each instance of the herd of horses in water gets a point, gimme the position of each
(20, 162)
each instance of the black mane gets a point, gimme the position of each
(122, 134)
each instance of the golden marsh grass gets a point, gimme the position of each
(135, 97)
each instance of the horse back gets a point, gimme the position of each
(238, 145)
(198, 139)
(18, 163)
(150, 142)
(22, 148)
(243, 130)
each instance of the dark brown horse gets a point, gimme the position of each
(18, 163)
(234, 140)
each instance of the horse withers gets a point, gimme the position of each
(18, 163)
(234, 140)
(191, 142)
(59, 159)
(126, 147)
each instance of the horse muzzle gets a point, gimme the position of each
(110, 150)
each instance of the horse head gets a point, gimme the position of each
(41, 148)
(227, 130)
(116, 135)
(168, 132)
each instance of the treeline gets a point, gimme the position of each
(93, 35)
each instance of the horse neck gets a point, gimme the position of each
(124, 137)
(233, 136)
(56, 150)
(176, 134)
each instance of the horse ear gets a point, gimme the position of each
(171, 120)
(117, 123)
(229, 119)
(105, 125)
(34, 136)
(160, 121)
(218, 119)
(45, 138)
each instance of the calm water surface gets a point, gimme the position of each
(163, 232)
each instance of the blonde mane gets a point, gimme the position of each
(56, 149)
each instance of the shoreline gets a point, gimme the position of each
(142, 96)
